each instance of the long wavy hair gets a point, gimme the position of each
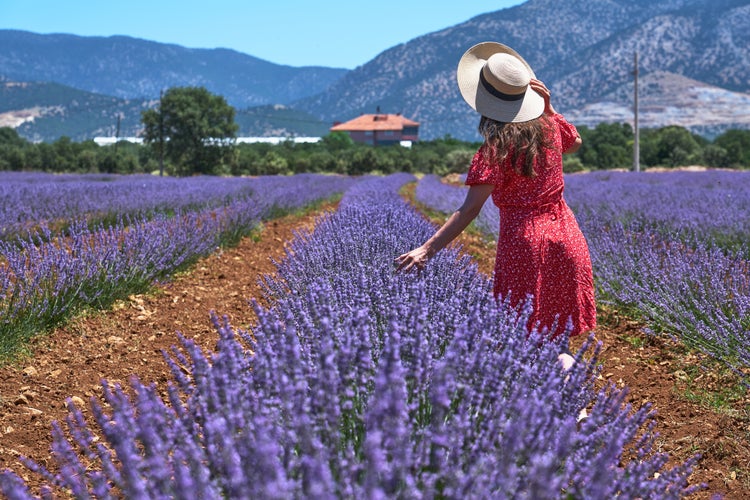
(523, 142)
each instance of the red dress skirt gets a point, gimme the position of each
(541, 253)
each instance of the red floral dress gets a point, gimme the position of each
(541, 251)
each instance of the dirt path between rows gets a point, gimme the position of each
(128, 341)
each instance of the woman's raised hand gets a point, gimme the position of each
(540, 88)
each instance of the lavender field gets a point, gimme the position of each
(29, 201)
(76, 242)
(670, 248)
(356, 382)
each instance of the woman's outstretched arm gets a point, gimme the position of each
(455, 224)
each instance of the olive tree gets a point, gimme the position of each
(192, 128)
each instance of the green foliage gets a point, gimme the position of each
(65, 155)
(716, 156)
(671, 146)
(9, 137)
(337, 141)
(193, 128)
(459, 160)
(11, 157)
(676, 146)
(605, 146)
(736, 143)
(572, 164)
(273, 163)
(609, 145)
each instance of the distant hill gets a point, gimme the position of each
(666, 98)
(694, 62)
(279, 121)
(47, 111)
(583, 49)
(131, 68)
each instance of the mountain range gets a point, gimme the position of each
(583, 49)
(693, 68)
(132, 68)
(45, 111)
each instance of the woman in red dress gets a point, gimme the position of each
(541, 253)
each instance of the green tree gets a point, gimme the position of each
(47, 157)
(572, 163)
(274, 164)
(337, 141)
(33, 158)
(676, 146)
(362, 161)
(9, 136)
(649, 154)
(427, 160)
(193, 128)
(64, 155)
(86, 161)
(322, 161)
(245, 160)
(736, 143)
(715, 156)
(459, 160)
(608, 145)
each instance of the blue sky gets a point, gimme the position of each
(334, 33)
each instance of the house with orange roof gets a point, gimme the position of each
(380, 129)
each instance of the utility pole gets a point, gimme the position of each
(117, 133)
(161, 135)
(636, 145)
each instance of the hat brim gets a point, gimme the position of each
(531, 106)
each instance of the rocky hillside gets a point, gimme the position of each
(43, 111)
(131, 68)
(694, 62)
(666, 99)
(583, 49)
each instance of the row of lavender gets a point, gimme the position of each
(674, 246)
(46, 277)
(436, 195)
(359, 382)
(29, 200)
(710, 207)
(670, 246)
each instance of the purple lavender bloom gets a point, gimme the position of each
(447, 198)
(700, 293)
(673, 246)
(30, 200)
(712, 205)
(670, 246)
(361, 382)
(46, 277)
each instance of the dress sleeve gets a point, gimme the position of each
(481, 171)
(568, 132)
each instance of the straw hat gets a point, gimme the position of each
(494, 80)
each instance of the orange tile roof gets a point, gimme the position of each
(375, 122)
